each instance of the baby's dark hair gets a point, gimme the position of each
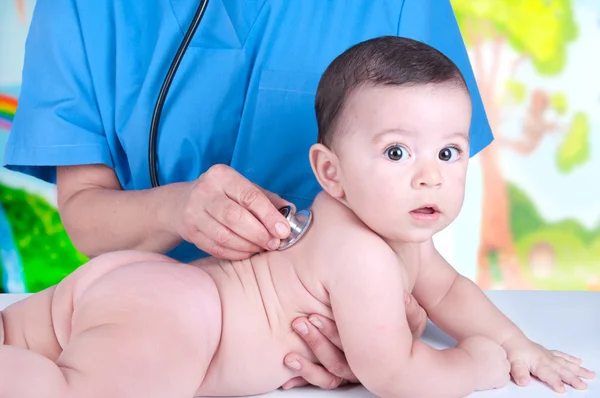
(387, 60)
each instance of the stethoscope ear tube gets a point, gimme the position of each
(164, 90)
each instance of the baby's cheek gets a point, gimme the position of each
(455, 201)
(372, 210)
(388, 221)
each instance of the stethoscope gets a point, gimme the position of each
(299, 221)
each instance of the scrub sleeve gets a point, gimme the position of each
(57, 121)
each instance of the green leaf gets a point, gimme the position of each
(540, 29)
(558, 101)
(575, 148)
(516, 90)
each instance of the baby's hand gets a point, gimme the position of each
(552, 367)
(491, 364)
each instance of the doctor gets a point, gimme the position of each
(234, 133)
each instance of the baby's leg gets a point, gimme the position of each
(42, 322)
(142, 330)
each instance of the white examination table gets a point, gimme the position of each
(566, 321)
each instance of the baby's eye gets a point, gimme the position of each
(449, 154)
(396, 153)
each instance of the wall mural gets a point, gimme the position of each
(537, 212)
(528, 59)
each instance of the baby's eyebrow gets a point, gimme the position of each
(394, 131)
(460, 134)
(409, 133)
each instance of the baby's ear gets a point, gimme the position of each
(326, 167)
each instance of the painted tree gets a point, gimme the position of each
(21, 9)
(502, 35)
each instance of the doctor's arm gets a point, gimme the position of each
(222, 213)
(100, 216)
(367, 298)
(66, 106)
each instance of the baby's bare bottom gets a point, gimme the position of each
(140, 328)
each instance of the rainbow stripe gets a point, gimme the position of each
(8, 107)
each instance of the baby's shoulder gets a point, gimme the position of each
(343, 238)
(339, 217)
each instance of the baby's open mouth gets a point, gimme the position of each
(426, 210)
(426, 214)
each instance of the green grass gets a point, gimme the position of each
(46, 251)
(576, 248)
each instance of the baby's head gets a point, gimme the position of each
(394, 117)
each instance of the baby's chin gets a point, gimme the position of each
(399, 231)
(407, 236)
(411, 237)
(412, 234)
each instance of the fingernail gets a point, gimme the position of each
(301, 328)
(294, 364)
(281, 229)
(316, 321)
(273, 244)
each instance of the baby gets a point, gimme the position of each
(394, 117)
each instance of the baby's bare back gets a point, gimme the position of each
(260, 297)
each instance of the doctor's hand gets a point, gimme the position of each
(322, 337)
(227, 216)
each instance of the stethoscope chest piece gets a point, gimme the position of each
(299, 224)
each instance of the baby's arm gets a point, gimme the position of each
(456, 304)
(366, 288)
(461, 309)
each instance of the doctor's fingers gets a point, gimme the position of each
(213, 248)
(328, 354)
(327, 328)
(294, 382)
(256, 201)
(415, 315)
(241, 222)
(313, 374)
(223, 236)
(277, 200)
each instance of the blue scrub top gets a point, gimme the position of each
(243, 94)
